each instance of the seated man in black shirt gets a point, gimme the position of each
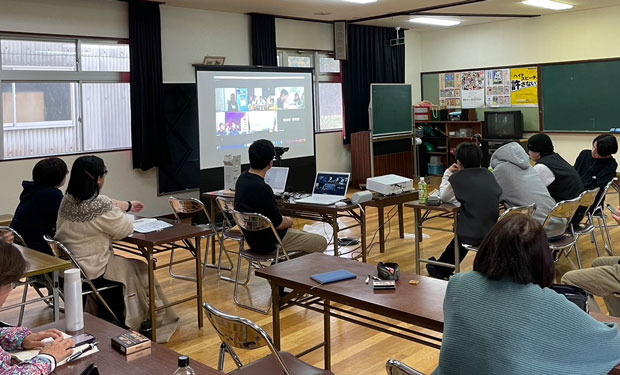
(253, 195)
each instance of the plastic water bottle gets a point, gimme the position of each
(184, 368)
(74, 313)
(422, 190)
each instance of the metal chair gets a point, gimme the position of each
(598, 213)
(226, 205)
(394, 367)
(253, 222)
(529, 210)
(563, 210)
(18, 238)
(587, 200)
(241, 333)
(61, 251)
(193, 207)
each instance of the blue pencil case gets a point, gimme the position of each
(333, 276)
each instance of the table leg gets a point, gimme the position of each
(401, 220)
(152, 307)
(275, 311)
(199, 280)
(55, 296)
(363, 234)
(381, 230)
(335, 233)
(418, 237)
(327, 334)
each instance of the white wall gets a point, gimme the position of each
(580, 35)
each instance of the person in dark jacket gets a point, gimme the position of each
(478, 193)
(39, 202)
(597, 166)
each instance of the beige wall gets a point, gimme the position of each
(581, 35)
(304, 35)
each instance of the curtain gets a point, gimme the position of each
(148, 133)
(263, 31)
(370, 60)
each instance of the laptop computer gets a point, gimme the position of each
(276, 178)
(329, 188)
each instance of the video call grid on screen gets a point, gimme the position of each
(237, 107)
(331, 183)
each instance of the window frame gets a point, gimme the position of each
(318, 78)
(77, 76)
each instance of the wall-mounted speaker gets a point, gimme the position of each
(340, 40)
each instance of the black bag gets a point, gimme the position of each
(388, 271)
(574, 294)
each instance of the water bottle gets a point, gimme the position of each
(184, 368)
(74, 313)
(422, 190)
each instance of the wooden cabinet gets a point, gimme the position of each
(441, 138)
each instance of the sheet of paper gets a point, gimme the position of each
(149, 225)
(25, 355)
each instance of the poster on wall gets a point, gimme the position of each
(472, 89)
(524, 87)
(450, 90)
(497, 88)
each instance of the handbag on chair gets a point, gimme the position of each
(574, 294)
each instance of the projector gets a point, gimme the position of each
(389, 184)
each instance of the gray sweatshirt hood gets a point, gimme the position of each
(511, 153)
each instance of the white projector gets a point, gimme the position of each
(389, 184)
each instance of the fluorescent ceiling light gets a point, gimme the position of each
(548, 4)
(362, 1)
(434, 21)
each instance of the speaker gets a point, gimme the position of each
(340, 40)
(361, 197)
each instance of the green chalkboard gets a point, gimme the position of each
(390, 109)
(581, 96)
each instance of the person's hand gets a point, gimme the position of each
(289, 222)
(59, 349)
(137, 206)
(454, 168)
(33, 340)
(7, 236)
(616, 216)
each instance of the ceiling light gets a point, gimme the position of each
(434, 21)
(549, 4)
(362, 1)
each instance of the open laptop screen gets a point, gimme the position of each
(276, 178)
(331, 184)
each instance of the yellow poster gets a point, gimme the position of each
(524, 87)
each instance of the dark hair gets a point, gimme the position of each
(49, 172)
(283, 92)
(606, 144)
(516, 248)
(540, 143)
(261, 153)
(469, 154)
(12, 264)
(84, 174)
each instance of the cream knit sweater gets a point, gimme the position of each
(88, 229)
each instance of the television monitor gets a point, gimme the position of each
(503, 125)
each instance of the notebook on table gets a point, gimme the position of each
(329, 188)
(333, 276)
(276, 178)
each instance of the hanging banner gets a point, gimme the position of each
(498, 88)
(524, 87)
(472, 89)
(450, 90)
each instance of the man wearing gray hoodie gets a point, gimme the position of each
(521, 185)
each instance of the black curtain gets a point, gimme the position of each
(148, 133)
(371, 59)
(264, 50)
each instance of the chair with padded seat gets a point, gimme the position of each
(254, 222)
(226, 205)
(62, 252)
(598, 213)
(587, 200)
(563, 210)
(241, 333)
(194, 207)
(394, 367)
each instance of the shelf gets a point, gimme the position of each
(436, 152)
(447, 122)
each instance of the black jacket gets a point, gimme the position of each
(567, 183)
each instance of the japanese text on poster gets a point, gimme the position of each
(450, 90)
(498, 88)
(524, 87)
(472, 85)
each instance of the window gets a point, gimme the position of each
(328, 85)
(63, 96)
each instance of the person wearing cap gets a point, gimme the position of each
(560, 178)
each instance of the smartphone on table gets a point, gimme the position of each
(83, 338)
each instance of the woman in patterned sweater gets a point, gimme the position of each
(12, 267)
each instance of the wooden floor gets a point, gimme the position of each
(355, 350)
